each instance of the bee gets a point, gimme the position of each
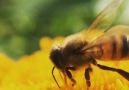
(82, 50)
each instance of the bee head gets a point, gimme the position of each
(56, 57)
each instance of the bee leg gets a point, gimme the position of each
(93, 61)
(68, 73)
(87, 76)
(120, 71)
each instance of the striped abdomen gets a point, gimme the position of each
(113, 47)
(109, 47)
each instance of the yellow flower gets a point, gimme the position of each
(33, 72)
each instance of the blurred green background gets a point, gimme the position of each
(24, 22)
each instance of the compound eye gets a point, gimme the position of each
(55, 57)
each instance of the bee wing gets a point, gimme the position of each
(106, 17)
(118, 30)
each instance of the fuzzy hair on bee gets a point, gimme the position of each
(82, 49)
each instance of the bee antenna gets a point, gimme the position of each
(54, 76)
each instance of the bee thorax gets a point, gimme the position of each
(95, 52)
(73, 54)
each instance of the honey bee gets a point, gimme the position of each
(82, 50)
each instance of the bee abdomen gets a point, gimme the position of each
(120, 47)
(125, 46)
(115, 47)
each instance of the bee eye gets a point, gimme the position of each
(55, 56)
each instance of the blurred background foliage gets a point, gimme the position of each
(24, 22)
